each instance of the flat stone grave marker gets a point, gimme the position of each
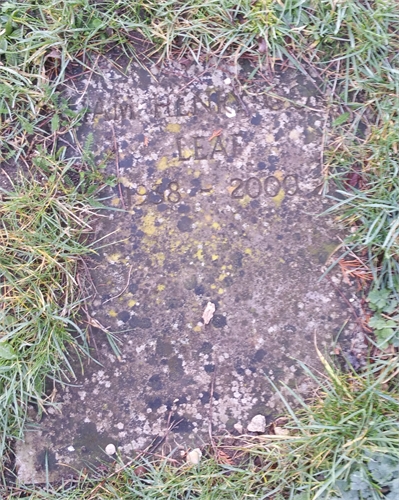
(214, 207)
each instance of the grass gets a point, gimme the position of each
(346, 441)
(44, 225)
(371, 207)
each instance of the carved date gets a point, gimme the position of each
(158, 194)
(271, 186)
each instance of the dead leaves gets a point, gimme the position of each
(277, 428)
(355, 269)
(224, 458)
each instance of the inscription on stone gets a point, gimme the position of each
(216, 181)
(254, 187)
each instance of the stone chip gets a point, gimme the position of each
(194, 456)
(257, 424)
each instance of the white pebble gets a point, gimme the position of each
(194, 456)
(110, 449)
(257, 424)
(230, 112)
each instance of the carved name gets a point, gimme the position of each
(170, 106)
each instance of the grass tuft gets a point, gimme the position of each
(44, 225)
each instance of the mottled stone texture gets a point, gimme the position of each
(216, 202)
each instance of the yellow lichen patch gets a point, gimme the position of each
(248, 251)
(223, 267)
(245, 200)
(213, 287)
(183, 249)
(220, 291)
(112, 313)
(115, 202)
(200, 254)
(222, 277)
(215, 225)
(279, 198)
(174, 245)
(281, 194)
(125, 182)
(113, 258)
(215, 257)
(161, 288)
(197, 328)
(132, 303)
(173, 127)
(231, 98)
(165, 163)
(160, 258)
(148, 226)
(187, 153)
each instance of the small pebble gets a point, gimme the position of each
(110, 449)
(194, 456)
(230, 112)
(257, 424)
(239, 428)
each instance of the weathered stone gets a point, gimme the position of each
(209, 207)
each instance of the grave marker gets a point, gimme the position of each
(215, 200)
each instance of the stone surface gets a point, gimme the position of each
(219, 174)
(257, 424)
